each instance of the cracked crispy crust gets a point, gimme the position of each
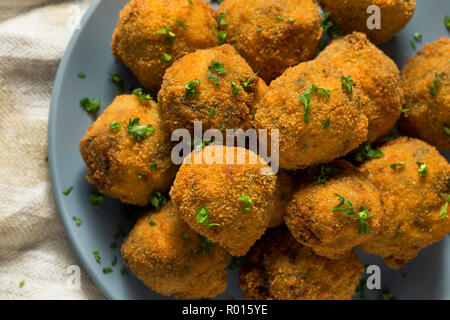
(280, 268)
(428, 114)
(171, 265)
(351, 15)
(279, 44)
(378, 76)
(311, 219)
(281, 109)
(411, 202)
(218, 187)
(114, 159)
(135, 43)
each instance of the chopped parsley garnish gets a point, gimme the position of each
(394, 166)
(423, 171)
(413, 44)
(115, 125)
(361, 289)
(113, 245)
(190, 2)
(347, 83)
(222, 36)
(139, 175)
(248, 83)
(96, 198)
(158, 200)
(67, 191)
(329, 27)
(417, 36)
(405, 110)
(205, 244)
(217, 66)
(191, 87)
(221, 20)
(138, 132)
(96, 255)
(21, 283)
(123, 272)
(247, 201)
(366, 152)
(153, 166)
(291, 20)
(325, 172)
(211, 112)
(202, 216)
(326, 123)
(447, 21)
(444, 211)
(259, 29)
(235, 263)
(235, 90)
(91, 105)
(279, 18)
(168, 32)
(307, 95)
(114, 261)
(386, 295)
(77, 220)
(151, 222)
(165, 57)
(181, 24)
(141, 95)
(81, 75)
(119, 233)
(107, 270)
(304, 149)
(222, 127)
(199, 144)
(433, 87)
(361, 216)
(211, 77)
(115, 77)
(185, 236)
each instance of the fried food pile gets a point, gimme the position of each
(343, 181)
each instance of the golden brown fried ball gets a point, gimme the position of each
(428, 115)
(316, 130)
(217, 97)
(272, 35)
(171, 259)
(381, 94)
(413, 198)
(149, 29)
(351, 15)
(313, 221)
(228, 203)
(284, 189)
(125, 167)
(280, 268)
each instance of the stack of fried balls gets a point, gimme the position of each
(345, 180)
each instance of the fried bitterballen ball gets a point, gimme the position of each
(280, 268)
(226, 202)
(318, 120)
(426, 81)
(359, 61)
(127, 151)
(170, 258)
(152, 34)
(271, 35)
(215, 86)
(414, 183)
(284, 188)
(352, 15)
(340, 210)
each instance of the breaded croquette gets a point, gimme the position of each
(354, 15)
(271, 35)
(152, 34)
(414, 183)
(360, 61)
(227, 202)
(426, 81)
(318, 120)
(284, 189)
(340, 210)
(215, 86)
(127, 151)
(280, 268)
(171, 259)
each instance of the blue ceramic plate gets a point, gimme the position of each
(426, 277)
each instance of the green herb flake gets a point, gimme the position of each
(394, 166)
(366, 152)
(447, 130)
(165, 57)
(117, 79)
(447, 21)
(77, 220)
(217, 66)
(158, 200)
(329, 28)
(81, 75)
(323, 174)
(291, 20)
(423, 171)
(235, 263)
(113, 245)
(97, 255)
(67, 191)
(202, 216)
(434, 86)
(417, 36)
(221, 20)
(405, 110)
(151, 222)
(114, 261)
(361, 216)
(222, 36)
(124, 272)
(213, 78)
(306, 96)
(347, 83)
(21, 283)
(90, 105)
(412, 44)
(279, 18)
(205, 244)
(185, 236)
(304, 149)
(235, 90)
(153, 166)
(247, 201)
(141, 95)
(259, 29)
(249, 82)
(326, 123)
(181, 24)
(115, 125)
(170, 35)
(107, 270)
(191, 88)
(444, 211)
(137, 131)
(211, 112)
(96, 198)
